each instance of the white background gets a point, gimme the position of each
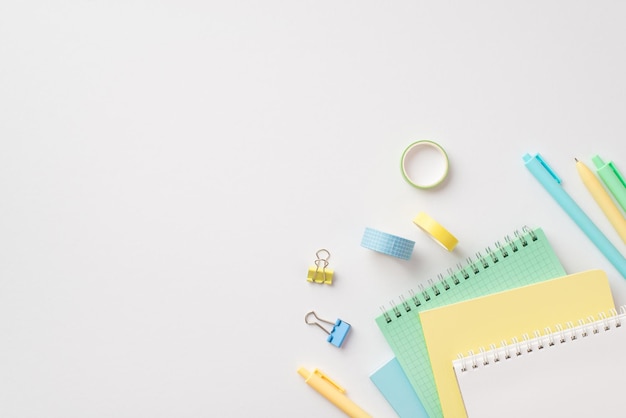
(168, 170)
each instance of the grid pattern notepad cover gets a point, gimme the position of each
(532, 262)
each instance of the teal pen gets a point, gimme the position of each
(552, 183)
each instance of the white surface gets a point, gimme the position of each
(168, 170)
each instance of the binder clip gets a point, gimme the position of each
(337, 335)
(319, 273)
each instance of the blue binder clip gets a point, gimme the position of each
(337, 335)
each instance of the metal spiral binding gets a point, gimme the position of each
(434, 287)
(385, 314)
(473, 265)
(568, 334)
(521, 238)
(528, 345)
(550, 335)
(495, 358)
(406, 305)
(559, 331)
(462, 360)
(484, 357)
(530, 232)
(425, 294)
(464, 272)
(415, 299)
(512, 243)
(516, 345)
(584, 331)
(482, 260)
(570, 326)
(506, 353)
(490, 253)
(454, 277)
(502, 249)
(540, 343)
(443, 282)
(396, 311)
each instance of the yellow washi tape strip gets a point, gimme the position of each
(410, 150)
(436, 231)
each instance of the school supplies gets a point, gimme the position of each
(551, 182)
(613, 179)
(602, 198)
(569, 371)
(320, 273)
(397, 390)
(475, 323)
(436, 231)
(385, 243)
(332, 391)
(410, 152)
(525, 259)
(336, 335)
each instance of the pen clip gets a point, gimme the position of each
(548, 168)
(617, 174)
(329, 380)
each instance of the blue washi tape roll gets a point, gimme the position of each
(387, 244)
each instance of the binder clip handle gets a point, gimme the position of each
(320, 273)
(306, 319)
(322, 259)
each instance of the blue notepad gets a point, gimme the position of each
(396, 388)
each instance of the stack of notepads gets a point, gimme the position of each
(508, 335)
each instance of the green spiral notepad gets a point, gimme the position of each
(525, 259)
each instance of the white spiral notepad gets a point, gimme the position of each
(567, 371)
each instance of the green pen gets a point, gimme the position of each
(612, 179)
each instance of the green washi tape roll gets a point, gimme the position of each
(412, 149)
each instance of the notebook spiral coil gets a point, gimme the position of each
(568, 334)
(454, 277)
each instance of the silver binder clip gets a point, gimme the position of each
(320, 273)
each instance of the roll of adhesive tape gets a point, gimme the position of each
(412, 149)
(436, 231)
(387, 244)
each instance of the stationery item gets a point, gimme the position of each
(436, 231)
(332, 391)
(602, 198)
(337, 334)
(410, 152)
(613, 179)
(397, 390)
(527, 258)
(385, 243)
(320, 273)
(551, 182)
(476, 323)
(567, 371)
